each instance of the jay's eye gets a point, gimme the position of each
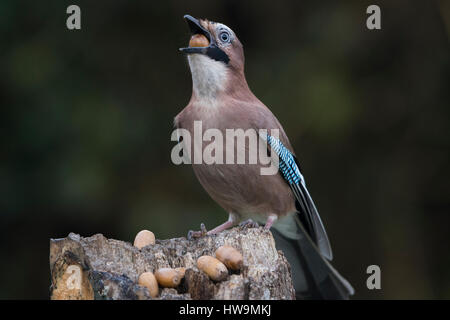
(224, 36)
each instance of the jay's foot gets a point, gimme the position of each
(248, 224)
(197, 234)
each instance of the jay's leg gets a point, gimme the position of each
(232, 219)
(270, 220)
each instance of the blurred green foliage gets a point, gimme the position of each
(87, 115)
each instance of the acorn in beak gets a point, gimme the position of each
(198, 40)
(203, 42)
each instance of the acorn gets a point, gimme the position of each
(144, 238)
(198, 40)
(148, 280)
(168, 277)
(215, 269)
(230, 257)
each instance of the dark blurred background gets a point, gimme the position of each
(86, 118)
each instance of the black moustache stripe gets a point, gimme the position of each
(217, 54)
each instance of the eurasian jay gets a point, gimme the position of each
(221, 99)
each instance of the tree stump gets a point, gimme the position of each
(100, 268)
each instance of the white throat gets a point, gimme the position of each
(208, 77)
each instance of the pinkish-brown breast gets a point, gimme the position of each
(239, 188)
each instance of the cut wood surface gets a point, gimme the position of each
(100, 268)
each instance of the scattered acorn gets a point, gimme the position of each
(230, 257)
(148, 280)
(198, 40)
(168, 277)
(144, 238)
(215, 269)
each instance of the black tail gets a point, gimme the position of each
(313, 276)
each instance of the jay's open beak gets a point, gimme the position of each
(211, 49)
(197, 29)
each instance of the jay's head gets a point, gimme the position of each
(215, 41)
(214, 52)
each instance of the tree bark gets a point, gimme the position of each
(100, 268)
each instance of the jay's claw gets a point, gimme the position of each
(249, 224)
(203, 229)
(197, 234)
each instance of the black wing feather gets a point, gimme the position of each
(309, 216)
